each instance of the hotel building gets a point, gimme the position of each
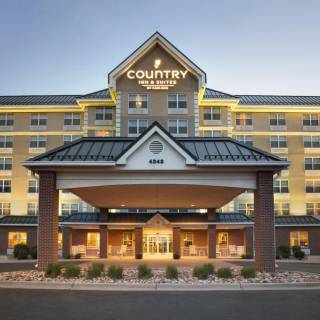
(158, 84)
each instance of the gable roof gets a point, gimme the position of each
(100, 94)
(215, 94)
(296, 220)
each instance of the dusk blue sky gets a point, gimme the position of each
(245, 47)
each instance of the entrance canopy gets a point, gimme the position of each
(156, 170)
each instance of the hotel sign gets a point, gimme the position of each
(156, 78)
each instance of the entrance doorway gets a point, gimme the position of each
(157, 244)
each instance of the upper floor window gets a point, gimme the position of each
(69, 208)
(33, 186)
(5, 186)
(38, 142)
(277, 119)
(281, 208)
(313, 208)
(244, 119)
(5, 164)
(211, 114)
(72, 119)
(211, 133)
(312, 163)
(280, 186)
(177, 101)
(138, 103)
(311, 142)
(70, 138)
(39, 121)
(178, 127)
(310, 120)
(103, 114)
(246, 208)
(6, 142)
(6, 120)
(278, 141)
(247, 140)
(312, 186)
(5, 208)
(32, 209)
(137, 126)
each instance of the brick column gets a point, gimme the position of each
(103, 214)
(264, 236)
(103, 241)
(66, 242)
(48, 219)
(211, 239)
(138, 233)
(212, 214)
(248, 240)
(176, 238)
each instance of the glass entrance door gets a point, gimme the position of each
(157, 244)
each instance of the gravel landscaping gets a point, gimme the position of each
(185, 276)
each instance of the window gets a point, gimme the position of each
(177, 101)
(39, 120)
(211, 113)
(6, 142)
(310, 120)
(93, 240)
(311, 163)
(244, 119)
(247, 140)
(104, 114)
(312, 186)
(277, 119)
(38, 142)
(280, 186)
(138, 101)
(5, 208)
(211, 133)
(246, 208)
(59, 240)
(69, 208)
(223, 239)
(6, 120)
(127, 238)
(68, 139)
(16, 238)
(72, 119)
(33, 186)
(278, 141)
(311, 142)
(299, 238)
(5, 186)
(5, 164)
(313, 208)
(188, 239)
(281, 209)
(178, 127)
(137, 126)
(32, 209)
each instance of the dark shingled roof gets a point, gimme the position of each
(296, 220)
(215, 94)
(101, 94)
(19, 219)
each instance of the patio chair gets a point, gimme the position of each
(232, 250)
(82, 250)
(192, 250)
(240, 251)
(123, 250)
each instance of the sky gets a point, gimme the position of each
(244, 46)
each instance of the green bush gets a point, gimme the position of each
(176, 256)
(95, 270)
(71, 271)
(53, 270)
(209, 267)
(224, 273)
(21, 251)
(33, 252)
(246, 256)
(284, 251)
(172, 272)
(295, 249)
(299, 255)
(248, 272)
(77, 256)
(144, 272)
(204, 271)
(115, 272)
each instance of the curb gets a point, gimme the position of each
(158, 286)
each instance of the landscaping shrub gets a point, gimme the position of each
(33, 252)
(21, 251)
(246, 256)
(172, 272)
(53, 270)
(298, 253)
(138, 256)
(95, 270)
(209, 267)
(295, 249)
(144, 272)
(284, 251)
(115, 272)
(77, 256)
(71, 271)
(248, 272)
(176, 256)
(224, 273)
(200, 272)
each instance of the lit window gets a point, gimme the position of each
(177, 101)
(59, 240)
(103, 114)
(72, 119)
(5, 186)
(277, 119)
(69, 208)
(244, 119)
(32, 209)
(247, 140)
(93, 240)
(178, 127)
(211, 113)
(5, 164)
(310, 120)
(223, 239)
(6, 120)
(6, 142)
(33, 186)
(70, 138)
(137, 126)
(299, 238)
(127, 238)
(38, 141)
(312, 186)
(39, 120)
(138, 101)
(313, 208)
(312, 163)
(188, 239)
(278, 141)
(15, 238)
(5, 208)
(280, 186)
(246, 208)
(281, 209)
